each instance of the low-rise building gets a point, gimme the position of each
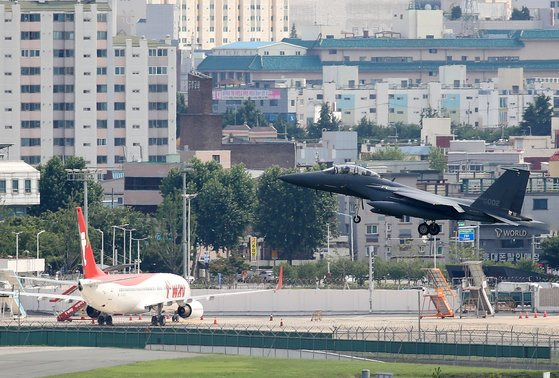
(19, 186)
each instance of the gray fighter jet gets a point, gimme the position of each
(500, 203)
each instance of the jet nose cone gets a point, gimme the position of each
(292, 178)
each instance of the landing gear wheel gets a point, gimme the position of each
(175, 317)
(423, 229)
(101, 320)
(356, 219)
(434, 229)
(161, 320)
(154, 320)
(109, 320)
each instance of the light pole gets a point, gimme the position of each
(84, 175)
(351, 254)
(39, 233)
(129, 248)
(17, 250)
(115, 255)
(138, 258)
(102, 247)
(185, 241)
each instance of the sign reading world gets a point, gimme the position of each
(466, 234)
(245, 94)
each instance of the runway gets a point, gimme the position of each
(44, 361)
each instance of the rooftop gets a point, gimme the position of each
(121, 40)
(47, 6)
(15, 166)
(313, 63)
(395, 43)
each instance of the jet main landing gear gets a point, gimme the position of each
(425, 229)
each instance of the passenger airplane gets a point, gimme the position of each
(500, 203)
(107, 295)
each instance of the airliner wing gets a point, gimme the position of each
(62, 297)
(49, 280)
(211, 297)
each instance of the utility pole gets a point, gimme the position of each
(83, 175)
(102, 247)
(17, 250)
(371, 281)
(186, 237)
(38, 234)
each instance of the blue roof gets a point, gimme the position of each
(308, 63)
(246, 45)
(416, 150)
(395, 43)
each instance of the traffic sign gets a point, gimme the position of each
(461, 224)
(466, 234)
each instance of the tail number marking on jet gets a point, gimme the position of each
(491, 202)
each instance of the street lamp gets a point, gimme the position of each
(39, 233)
(121, 227)
(129, 249)
(186, 243)
(102, 247)
(17, 249)
(138, 258)
(351, 254)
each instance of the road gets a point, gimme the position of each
(44, 361)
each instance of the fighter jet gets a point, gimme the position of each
(500, 203)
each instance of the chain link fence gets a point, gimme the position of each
(485, 345)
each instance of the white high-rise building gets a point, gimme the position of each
(68, 87)
(212, 23)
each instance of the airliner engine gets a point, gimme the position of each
(193, 309)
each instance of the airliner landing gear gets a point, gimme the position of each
(105, 319)
(158, 319)
(425, 229)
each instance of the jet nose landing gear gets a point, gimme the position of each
(425, 229)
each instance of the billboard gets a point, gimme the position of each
(245, 94)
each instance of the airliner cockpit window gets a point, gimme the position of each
(347, 169)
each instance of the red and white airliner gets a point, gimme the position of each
(109, 294)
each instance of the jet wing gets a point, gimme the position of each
(65, 298)
(428, 198)
(49, 280)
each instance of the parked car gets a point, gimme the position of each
(267, 275)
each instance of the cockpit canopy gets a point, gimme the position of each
(350, 169)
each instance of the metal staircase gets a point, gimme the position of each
(475, 283)
(12, 302)
(442, 291)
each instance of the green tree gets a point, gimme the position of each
(437, 159)
(181, 109)
(365, 129)
(536, 119)
(293, 32)
(327, 121)
(387, 153)
(522, 14)
(248, 113)
(292, 219)
(166, 237)
(455, 12)
(550, 251)
(225, 208)
(57, 192)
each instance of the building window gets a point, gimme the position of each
(61, 17)
(27, 186)
(102, 159)
(101, 70)
(101, 88)
(101, 53)
(101, 123)
(120, 123)
(119, 159)
(158, 106)
(372, 229)
(158, 88)
(120, 106)
(15, 186)
(30, 106)
(30, 35)
(405, 219)
(216, 158)
(62, 124)
(25, 71)
(119, 87)
(102, 35)
(30, 17)
(158, 123)
(101, 106)
(120, 141)
(157, 158)
(31, 159)
(30, 124)
(332, 52)
(540, 204)
(157, 70)
(158, 141)
(101, 142)
(119, 70)
(2, 186)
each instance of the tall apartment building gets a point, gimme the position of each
(68, 87)
(212, 23)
